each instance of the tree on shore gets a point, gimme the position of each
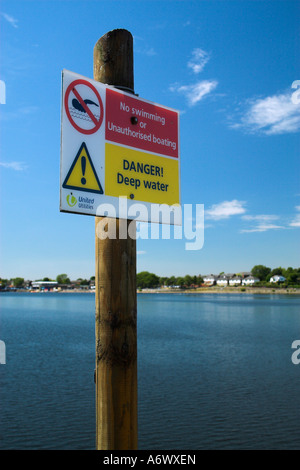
(150, 280)
(260, 271)
(18, 282)
(188, 280)
(180, 282)
(62, 279)
(171, 281)
(146, 280)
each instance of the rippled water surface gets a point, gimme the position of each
(214, 371)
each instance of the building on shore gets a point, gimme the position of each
(277, 278)
(223, 280)
(250, 281)
(210, 280)
(232, 280)
(235, 281)
(44, 285)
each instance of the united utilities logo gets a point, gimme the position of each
(83, 202)
(86, 202)
(71, 200)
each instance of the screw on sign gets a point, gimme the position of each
(84, 107)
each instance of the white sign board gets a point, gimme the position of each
(119, 153)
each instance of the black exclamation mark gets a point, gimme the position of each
(162, 171)
(83, 166)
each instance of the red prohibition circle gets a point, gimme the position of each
(70, 88)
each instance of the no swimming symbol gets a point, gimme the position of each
(81, 100)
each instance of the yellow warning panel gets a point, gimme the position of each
(82, 175)
(141, 176)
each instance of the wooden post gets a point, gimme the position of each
(115, 287)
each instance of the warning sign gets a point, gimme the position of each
(140, 176)
(82, 175)
(84, 106)
(118, 149)
(137, 123)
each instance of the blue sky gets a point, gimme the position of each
(227, 66)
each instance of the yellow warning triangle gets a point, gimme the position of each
(82, 175)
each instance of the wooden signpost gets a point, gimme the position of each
(115, 287)
(116, 146)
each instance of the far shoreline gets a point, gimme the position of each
(201, 290)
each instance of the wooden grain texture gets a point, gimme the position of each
(115, 290)
(113, 59)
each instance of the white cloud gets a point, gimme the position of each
(265, 218)
(266, 222)
(141, 252)
(199, 60)
(275, 114)
(149, 51)
(226, 209)
(262, 227)
(18, 113)
(263, 223)
(141, 48)
(196, 92)
(10, 19)
(296, 221)
(17, 166)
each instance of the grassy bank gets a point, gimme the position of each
(226, 290)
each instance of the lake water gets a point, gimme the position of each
(214, 371)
